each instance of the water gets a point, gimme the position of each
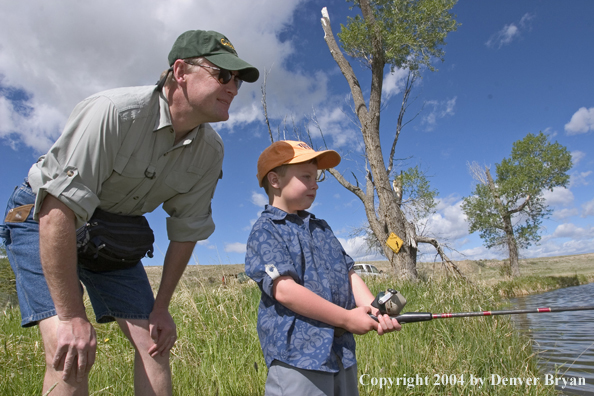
(564, 341)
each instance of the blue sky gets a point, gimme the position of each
(511, 68)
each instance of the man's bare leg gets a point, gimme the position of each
(71, 387)
(152, 376)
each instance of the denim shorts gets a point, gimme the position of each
(124, 294)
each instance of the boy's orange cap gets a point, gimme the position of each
(293, 152)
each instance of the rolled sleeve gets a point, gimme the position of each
(190, 210)
(70, 190)
(190, 229)
(268, 258)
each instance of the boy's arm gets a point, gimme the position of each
(306, 303)
(364, 298)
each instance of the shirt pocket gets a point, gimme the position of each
(182, 180)
(120, 184)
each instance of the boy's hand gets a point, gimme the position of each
(387, 324)
(359, 321)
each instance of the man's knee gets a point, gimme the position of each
(47, 328)
(137, 331)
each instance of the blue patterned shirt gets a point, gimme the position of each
(305, 248)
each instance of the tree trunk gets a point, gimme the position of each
(512, 247)
(507, 226)
(389, 218)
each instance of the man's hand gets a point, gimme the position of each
(163, 332)
(77, 344)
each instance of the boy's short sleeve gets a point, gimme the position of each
(268, 257)
(350, 262)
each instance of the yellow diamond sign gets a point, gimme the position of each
(394, 242)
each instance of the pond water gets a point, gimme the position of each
(564, 341)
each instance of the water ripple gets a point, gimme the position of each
(564, 341)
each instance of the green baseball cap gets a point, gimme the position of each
(216, 48)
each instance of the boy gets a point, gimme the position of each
(309, 288)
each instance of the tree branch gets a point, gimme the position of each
(345, 67)
(521, 207)
(449, 264)
(346, 184)
(405, 95)
(264, 105)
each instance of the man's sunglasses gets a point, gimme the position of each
(224, 75)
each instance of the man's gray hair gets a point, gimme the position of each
(192, 63)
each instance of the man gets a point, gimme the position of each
(125, 151)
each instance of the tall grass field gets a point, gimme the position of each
(218, 352)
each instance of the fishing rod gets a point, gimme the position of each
(391, 302)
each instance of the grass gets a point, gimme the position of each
(7, 282)
(218, 351)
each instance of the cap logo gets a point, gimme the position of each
(226, 42)
(304, 146)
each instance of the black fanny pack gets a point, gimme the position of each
(110, 241)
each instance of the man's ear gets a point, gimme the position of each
(273, 179)
(180, 69)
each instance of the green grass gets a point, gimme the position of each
(218, 352)
(7, 282)
(525, 285)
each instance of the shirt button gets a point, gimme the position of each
(70, 173)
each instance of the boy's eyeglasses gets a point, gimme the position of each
(224, 75)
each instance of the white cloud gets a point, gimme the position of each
(550, 132)
(357, 249)
(476, 253)
(37, 130)
(560, 196)
(102, 45)
(236, 247)
(577, 156)
(580, 179)
(588, 209)
(581, 122)
(337, 124)
(504, 36)
(555, 248)
(572, 231)
(437, 110)
(259, 199)
(394, 83)
(565, 213)
(509, 32)
(449, 223)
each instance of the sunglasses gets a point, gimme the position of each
(224, 75)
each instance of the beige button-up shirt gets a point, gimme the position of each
(117, 152)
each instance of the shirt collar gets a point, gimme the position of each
(274, 213)
(164, 121)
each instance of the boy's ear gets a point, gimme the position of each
(273, 179)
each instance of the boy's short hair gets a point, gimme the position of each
(285, 152)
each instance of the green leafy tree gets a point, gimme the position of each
(509, 210)
(415, 197)
(403, 34)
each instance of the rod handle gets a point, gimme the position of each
(409, 317)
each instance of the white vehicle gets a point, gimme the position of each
(367, 270)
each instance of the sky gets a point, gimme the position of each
(510, 69)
